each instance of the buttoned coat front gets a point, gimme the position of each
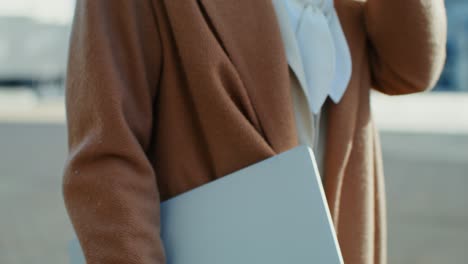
(163, 96)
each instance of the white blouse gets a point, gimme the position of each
(319, 63)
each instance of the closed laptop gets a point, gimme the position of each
(273, 211)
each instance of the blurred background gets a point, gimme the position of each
(424, 141)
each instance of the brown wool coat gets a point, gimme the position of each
(165, 95)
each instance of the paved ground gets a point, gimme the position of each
(426, 177)
(33, 223)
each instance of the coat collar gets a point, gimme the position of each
(250, 33)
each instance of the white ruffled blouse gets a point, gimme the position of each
(319, 61)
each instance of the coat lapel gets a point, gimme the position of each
(250, 33)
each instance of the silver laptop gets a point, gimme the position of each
(273, 211)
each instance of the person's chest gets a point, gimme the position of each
(224, 98)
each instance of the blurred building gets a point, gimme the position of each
(31, 51)
(455, 74)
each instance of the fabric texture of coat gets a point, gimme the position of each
(163, 96)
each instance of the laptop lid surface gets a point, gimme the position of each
(273, 211)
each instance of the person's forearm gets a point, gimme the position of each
(407, 41)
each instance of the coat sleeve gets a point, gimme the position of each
(109, 184)
(407, 40)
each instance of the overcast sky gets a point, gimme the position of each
(52, 11)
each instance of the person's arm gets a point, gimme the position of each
(109, 185)
(407, 41)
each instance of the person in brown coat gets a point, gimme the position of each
(163, 96)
